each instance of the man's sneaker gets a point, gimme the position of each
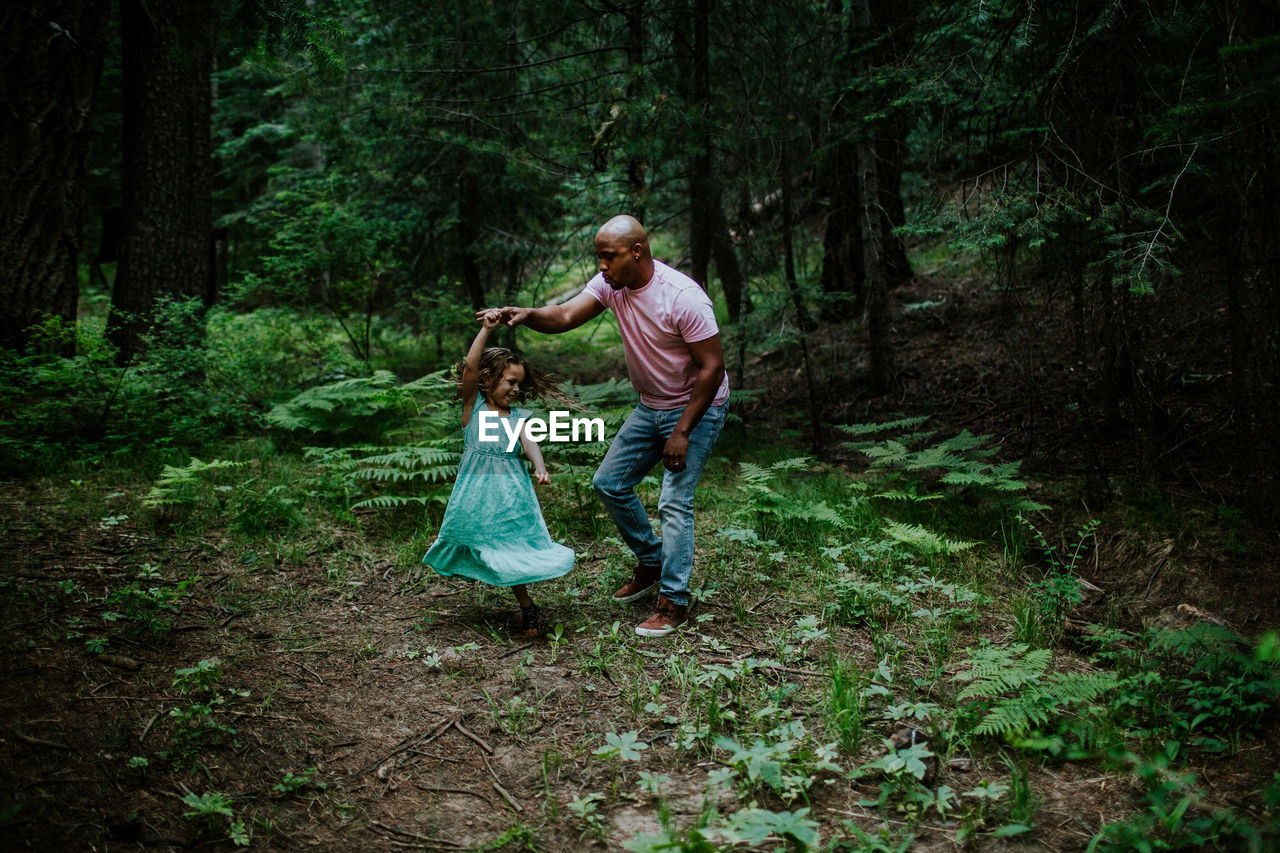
(644, 580)
(667, 616)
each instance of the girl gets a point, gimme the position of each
(493, 529)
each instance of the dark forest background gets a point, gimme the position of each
(1108, 169)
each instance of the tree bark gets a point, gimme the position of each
(700, 180)
(873, 235)
(636, 166)
(469, 235)
(709, 237)
(844, 261)
(168, 55)
(52, 53)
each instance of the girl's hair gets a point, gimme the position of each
(494, 360)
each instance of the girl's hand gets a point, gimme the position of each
(490, 318)
(542, 476)
(513, 316)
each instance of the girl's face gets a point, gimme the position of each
(506, 390)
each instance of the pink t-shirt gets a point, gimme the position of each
(658, 322)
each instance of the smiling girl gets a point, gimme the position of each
(493, 529)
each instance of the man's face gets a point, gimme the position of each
(618, 261)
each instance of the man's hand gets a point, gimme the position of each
(674, 451)
(504, 315)
(514, 315)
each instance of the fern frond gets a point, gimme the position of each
(997, 670)
(822, 513)
(868, 429)
(923, 540)
(1079, 688)
(391, 501)
(1013, 716)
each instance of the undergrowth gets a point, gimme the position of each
(857, 636)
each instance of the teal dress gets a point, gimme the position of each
(493, 529)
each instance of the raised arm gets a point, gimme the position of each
(553, 319)
(471, 367)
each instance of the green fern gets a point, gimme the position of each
(995, 670)
(179, 484)
(868, 429)
(1011, 695)
(366, 405)
(431, 462)
(397, 501)
(925, 541)
(426, 463)
(912, 464)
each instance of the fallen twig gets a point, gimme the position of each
(309, 671)
(457, 724)
(506, 795)
(411, 741)
(262, 716)
(404, 833)
(119, 662)
(515, 651)
(36, 741)
(147, 728)
(476, 794)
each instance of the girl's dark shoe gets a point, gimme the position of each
(530, 625)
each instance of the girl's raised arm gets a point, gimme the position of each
(471, 367)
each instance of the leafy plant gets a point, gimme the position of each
(180, 485)
(783, 761)
(624, 747)
(197, 727)
(212, 807)
(900, 467)
(1010, 694)
(149, 609)
(361, 406)
(294, 784)
(1201, 685)
(200, 678)
(585, 809)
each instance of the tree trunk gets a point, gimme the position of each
(727, 266)
(700, 180)
(844, 262)
(52, 60)
(168, 60)
(872, 232)
(469, 235)
(709, 237)
(637, 187)
(843, 276)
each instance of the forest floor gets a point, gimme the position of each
(351, 701)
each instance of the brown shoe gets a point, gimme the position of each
(667, 616)
(644, 580)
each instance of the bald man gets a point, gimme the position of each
(676, 363)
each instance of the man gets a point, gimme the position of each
(676, 363)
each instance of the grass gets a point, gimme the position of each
(833, 613)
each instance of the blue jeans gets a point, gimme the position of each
(637, 448)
